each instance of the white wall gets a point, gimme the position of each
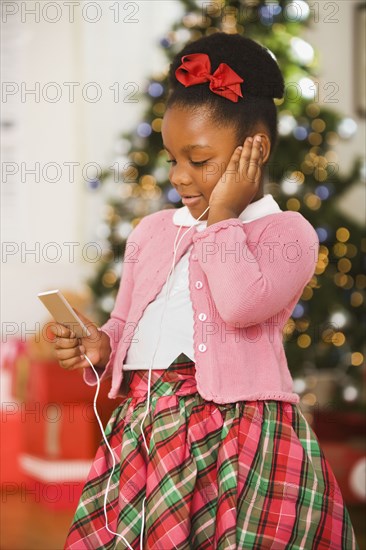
(104, 52)
(75, 50)
(332, 35)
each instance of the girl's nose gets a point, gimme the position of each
(179, 176)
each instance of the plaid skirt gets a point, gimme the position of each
(244, 475)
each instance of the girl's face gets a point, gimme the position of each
(199, 153)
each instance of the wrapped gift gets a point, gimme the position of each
(10, 349)
(60, 431)
(341, 435)
(15, 360)
(12, 431)
(348, 464)
(55, 484)
(58, 414)
(50, 383)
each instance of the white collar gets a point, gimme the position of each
(262, 207)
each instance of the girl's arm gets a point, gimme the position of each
(112, 331)
(252, 281)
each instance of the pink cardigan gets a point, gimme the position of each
(244, 281)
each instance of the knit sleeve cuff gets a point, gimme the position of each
(103, 372)
(223, 224)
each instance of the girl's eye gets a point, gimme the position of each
(199, 163)
(194, 163)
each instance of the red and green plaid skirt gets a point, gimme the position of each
(244, 475)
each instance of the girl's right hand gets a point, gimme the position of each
(241, 181)
(69, 350)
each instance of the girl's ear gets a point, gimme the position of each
(266, 146)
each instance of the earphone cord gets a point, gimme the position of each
(148, 399)
(168, 281)
(109, 449)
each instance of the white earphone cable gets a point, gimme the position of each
(167, 290)
(148, 400)
(109, 449)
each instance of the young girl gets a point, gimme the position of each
(210, 447)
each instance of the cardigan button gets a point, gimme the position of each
(194, 257)
(198, 284)
(202, 347)
(202, 317)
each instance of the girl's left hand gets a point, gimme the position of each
(241, 180)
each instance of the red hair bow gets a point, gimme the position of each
(196, 68)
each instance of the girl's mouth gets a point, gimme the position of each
(191, 201)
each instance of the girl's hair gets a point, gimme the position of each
(254, 63)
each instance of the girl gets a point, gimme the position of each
(210, 449)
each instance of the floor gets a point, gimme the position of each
(31, 526)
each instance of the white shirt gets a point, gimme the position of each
(176, 332)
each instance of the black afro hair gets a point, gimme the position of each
(262, 77)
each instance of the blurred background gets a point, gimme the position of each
(83, 96)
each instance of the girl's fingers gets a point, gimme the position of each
(240, 158)
(68, 349)
(65, 354)
(252, 159)
(254, 166)
(70, 364)
(235, 156)
(61, 331)
(64, 343)
(247, 149)
(73, 357)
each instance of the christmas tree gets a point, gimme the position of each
(325, 330)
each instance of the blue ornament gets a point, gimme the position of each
(144, 129)
(165, 43)
(323, 233)
(322, 191)
(155, 89)
(94, 184)
(300, 133)
(266, 15)
(298, 311)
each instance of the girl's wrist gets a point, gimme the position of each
(104, 349)
(218, 213)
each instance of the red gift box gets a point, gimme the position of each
(55, 484)
(341, 435)
(348, 465)
(49, 383)
(20, 373)
(11, 474)
(60, 431)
